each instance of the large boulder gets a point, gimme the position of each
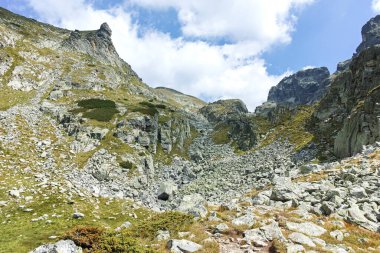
(285, 190)
(261, 236)
(307, 228)
(166, 190)
(301, 239)
(355, 215)
(183, 246)
(63, 246)
(194, 204)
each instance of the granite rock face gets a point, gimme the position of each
(370, 34)
(348, 116)
(96, 43)
(304, 87)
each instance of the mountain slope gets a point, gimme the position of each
(83, 141)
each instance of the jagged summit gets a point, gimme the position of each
(303, 87)
(105, 30)
(97, 43)
(370, 34)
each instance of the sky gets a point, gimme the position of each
(216, 49)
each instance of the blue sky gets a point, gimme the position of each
(217, 48)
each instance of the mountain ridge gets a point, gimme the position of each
(95, 160)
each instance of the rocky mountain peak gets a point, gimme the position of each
(303, 87)
(370, 34)
(105, 29)
(96, 43)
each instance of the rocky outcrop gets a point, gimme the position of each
(95, 43)
(348, 116)
(150, 131)
(231, 116)
(370, 34)
(303, 87)
(223, 109)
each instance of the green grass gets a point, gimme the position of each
(292, 129)
(172, 221)
(10, 97)
(220, 135)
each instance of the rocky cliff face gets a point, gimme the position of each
(304, 87)
(348, 116)
(350, 110)
(370, 34)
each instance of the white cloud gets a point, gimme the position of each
(194, 66)
(376, 5)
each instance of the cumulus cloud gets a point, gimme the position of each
(376, 5)
(192, 63)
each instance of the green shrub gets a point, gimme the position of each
(147, 104)
(99, 240)
(147, 108)
(94, 103)
(126, 164)
(161, 106)
(101, 114)
(87, 237)
(97, 109)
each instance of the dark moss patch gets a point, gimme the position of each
(148, 108)
(94, 103)
(126, 164)
(101, 114)
(97, 109)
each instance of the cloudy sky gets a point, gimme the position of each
(216, 48)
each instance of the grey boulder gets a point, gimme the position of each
(63, 246)
(193, 204)
(182, 246)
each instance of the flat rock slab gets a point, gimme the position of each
(307, 228)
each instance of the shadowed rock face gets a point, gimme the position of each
(105, 30)
(350, 111)
(304, 87)
(233, 114)
(370, 34)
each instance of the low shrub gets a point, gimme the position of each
(101, 114)
(99, 240)
(126, 164)
(93, 103)
(97, 109)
